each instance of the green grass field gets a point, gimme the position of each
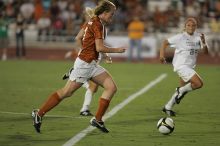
(25, 85)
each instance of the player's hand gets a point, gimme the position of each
(108, 59)
(202, 37)
(163, 60)
(68, 55)
(121, 50)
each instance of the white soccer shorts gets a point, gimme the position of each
(83, 71)
(186, 73)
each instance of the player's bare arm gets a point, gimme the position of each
(79, 38)
(162, 51)
(100, 47)
(204, 45)
(76, 49)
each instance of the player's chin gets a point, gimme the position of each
(190, 32)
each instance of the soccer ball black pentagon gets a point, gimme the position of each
(165, 125)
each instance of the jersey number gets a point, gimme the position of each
(193, 51)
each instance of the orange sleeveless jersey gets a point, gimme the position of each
(94, 29)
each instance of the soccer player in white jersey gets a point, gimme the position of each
(187, 46)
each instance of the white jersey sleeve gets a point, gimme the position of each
(174, 40)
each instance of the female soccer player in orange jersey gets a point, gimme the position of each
(86, 67)
(91, 87)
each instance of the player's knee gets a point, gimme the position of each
(94, 90)
(199, 85)
(114, 89)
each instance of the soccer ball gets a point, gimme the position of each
(165, 125)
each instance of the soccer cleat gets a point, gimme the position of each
(179, 96)
(37, 120)
(99, 124)
(169, 112)
(67, 75)
(86, 113)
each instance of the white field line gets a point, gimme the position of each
(84, 132)
(29, 114)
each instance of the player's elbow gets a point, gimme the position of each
(99, 46)
(100, 49)
(165, 43)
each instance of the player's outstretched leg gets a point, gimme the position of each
(182, 91)
(37, 120)
(53, 100)
(86, 113)
(87, 101)
(167, 109)
(99, 124)
(97, 120)
(176, 98)
(169, 112)
(91, 89)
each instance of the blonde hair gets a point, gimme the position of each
(192, 19)
(90, 12)
(104, 6)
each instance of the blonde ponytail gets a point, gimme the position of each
(90, 12)
(104, 6)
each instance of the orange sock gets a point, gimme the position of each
(52, 101)
(103, 105)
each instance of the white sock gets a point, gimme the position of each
(87, 100)
(186, 88)
(171, 102)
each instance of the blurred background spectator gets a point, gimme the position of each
(59, 20)
(43, 25)
(38, 10)
(27, 10)
(215, 28)
(20, 25)
(160, 14)
(3, 36)
(135, 35)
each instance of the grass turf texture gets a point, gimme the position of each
(25, 85)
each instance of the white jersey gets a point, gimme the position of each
(186, 49)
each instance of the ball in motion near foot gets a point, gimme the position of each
(165, 125)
